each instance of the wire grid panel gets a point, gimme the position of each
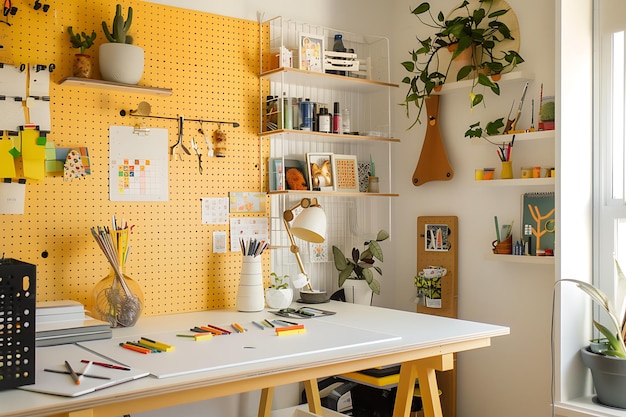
(211, 64)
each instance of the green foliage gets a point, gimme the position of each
(120, 27)
(492, 128)
(546, 113)
(360, 265)
(478, 30)
(81, 40)
(278, 282)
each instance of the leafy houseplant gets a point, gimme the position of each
(82, 62)
(360, 265)
(607, 360)
(278, 294)
(474, 28)
(120, 61)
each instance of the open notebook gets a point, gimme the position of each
(54, 357)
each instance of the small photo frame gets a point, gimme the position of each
(295, 175)
(311, 52)
(320, 171)
(346, 171)
(276, 174)
(437, 238)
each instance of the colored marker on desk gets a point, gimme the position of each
(107, 365)
(72, 373)
(156, 345)
(259, 325)
(135, 348)
(238, 327)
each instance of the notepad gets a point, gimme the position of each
(54, 358)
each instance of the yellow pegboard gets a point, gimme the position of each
(211, 63)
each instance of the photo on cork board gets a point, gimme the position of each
(320, 171)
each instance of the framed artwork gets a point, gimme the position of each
(320, 171)
(311, 50)
(436, 238)
(295, 175)
(277, 174)
(346, 170)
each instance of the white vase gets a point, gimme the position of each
(121, 63)
(250, 295)
(278, 298)
(357, 291)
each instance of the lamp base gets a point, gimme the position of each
(313, 297)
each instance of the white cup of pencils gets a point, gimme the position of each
(250, 294)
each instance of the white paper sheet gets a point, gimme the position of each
(12, 196)
(39, 85)
(12, 82)
(39, 112)
(12, 114)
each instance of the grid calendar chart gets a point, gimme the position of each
(17, 323)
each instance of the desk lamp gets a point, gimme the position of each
(310, 225)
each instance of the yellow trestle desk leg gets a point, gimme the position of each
(313, 396)
(265, 405)
(424, 371)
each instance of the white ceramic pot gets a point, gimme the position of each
(121, 63)
(357, 291)
(280, 298)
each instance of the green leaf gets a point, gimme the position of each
(382, 235)
(376, 250)
(409, 66)
(375, 286)
(422, 8)
(463, 72)
(368, 275)
(616, 347)
(478, 98)
(340, 260)
(345, 274)
(493, 128)
(498, 13)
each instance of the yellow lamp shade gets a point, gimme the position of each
(310, 225)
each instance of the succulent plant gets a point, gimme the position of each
(120, 27)
(81, 40)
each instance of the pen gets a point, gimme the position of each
(79, 374)
(291, 323)
(135, 348)
(238, 327)
(85, 370)
(72, 373)
(156, 345)
(269, 323)
(259, 325)
(218, 328)
(107, 365)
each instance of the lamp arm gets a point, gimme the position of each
(296, 251)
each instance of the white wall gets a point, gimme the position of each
(512, 378)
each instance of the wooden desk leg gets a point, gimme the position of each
(313, 396)
(424, 371)
(265, 404)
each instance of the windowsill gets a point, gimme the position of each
(584, 406)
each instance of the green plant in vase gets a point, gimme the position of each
(82, 62)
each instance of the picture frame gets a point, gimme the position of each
(436, 238)
(276, 174)
(321, 175)
(346, 169)
(295, 175)
(311, 52)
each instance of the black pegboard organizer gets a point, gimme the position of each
(17, 323)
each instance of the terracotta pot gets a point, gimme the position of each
(82, 66)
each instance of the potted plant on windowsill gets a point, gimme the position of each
(356, 271)
(278, 294)
(606, 358)
(476, 29)
(82, 62)
(120, 60)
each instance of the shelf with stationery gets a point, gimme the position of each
(467, 84)
(110, 85)
(533, 260)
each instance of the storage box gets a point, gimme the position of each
(340, 61)
(17, 323)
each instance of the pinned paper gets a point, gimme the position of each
(33, 155)
(12, 197)
(7, 162)
(73, 167)
(39, 112)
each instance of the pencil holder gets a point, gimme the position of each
(507, 170)
(250, 295)
(503, 247)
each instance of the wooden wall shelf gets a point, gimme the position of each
(109, 85)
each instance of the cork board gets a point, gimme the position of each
(211, 63)
(444, 254)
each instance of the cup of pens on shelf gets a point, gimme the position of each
(250, 294)
(503, 245)
(505, 152)
(117, 298)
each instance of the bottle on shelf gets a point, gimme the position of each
(306, 110)
(345, 121)
(336, 118)
(323, 122)
(338, 47)
(287, 113)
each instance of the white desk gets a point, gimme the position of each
(425, 344)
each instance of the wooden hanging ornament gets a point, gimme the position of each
(219, 136)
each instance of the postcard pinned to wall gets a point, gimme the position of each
(247, 202)
(247, 228)
(214, 210)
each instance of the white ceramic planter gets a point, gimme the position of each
(281, 298)
(357, 291)
(250, 291)
(121, 63)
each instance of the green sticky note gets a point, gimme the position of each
(41, 141)
(15, 152)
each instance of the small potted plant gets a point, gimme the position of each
(473, 30)
(120, 60)
(82, 62)
(357, 272)
(606, 358)
(278, 294)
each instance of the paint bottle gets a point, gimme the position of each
(287, 113)
(345, 121)
(323, 121)
(306, 111)
(336, 118)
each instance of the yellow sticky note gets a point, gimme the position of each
(7, 162)
(33, 155)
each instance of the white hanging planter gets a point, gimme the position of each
(357, 291)
(121, 63)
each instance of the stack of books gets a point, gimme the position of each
(66, 321)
